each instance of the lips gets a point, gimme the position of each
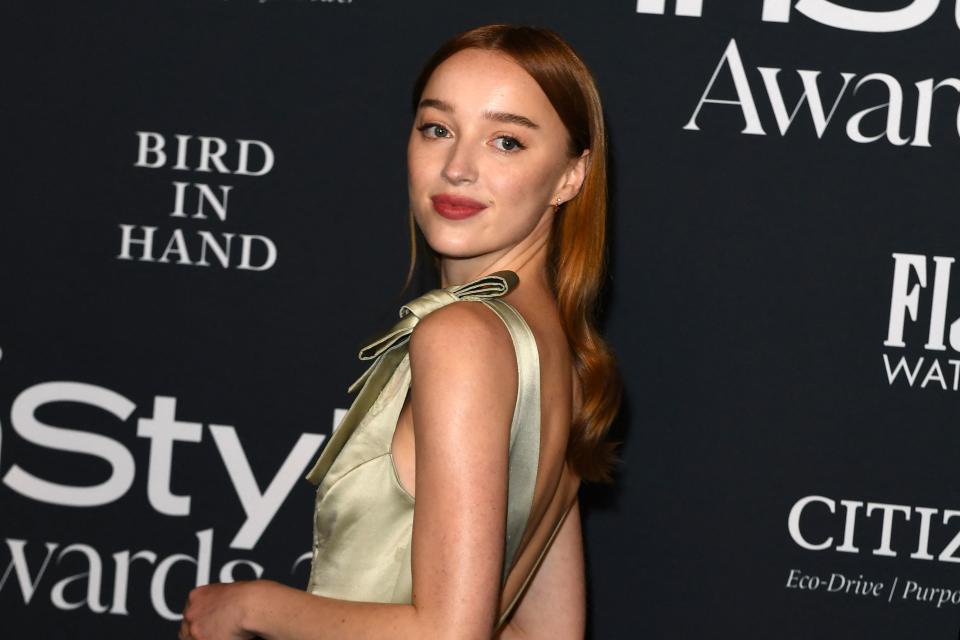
(456, 207)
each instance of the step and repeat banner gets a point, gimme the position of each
(204, 215)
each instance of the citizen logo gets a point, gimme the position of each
(848, 520)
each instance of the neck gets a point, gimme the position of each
(528, 259)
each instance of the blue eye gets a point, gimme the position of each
(507, 143)
(439, 131)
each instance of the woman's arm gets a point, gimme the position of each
(464, 388)
(555, 602)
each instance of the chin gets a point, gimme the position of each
(453, 243)
(450, 249)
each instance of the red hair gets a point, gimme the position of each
(577, 251)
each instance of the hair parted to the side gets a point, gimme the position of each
(577, 252)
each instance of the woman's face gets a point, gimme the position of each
(487, 156)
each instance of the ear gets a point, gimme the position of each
(573, 176)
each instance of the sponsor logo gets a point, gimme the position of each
(871, 588)
(918, 312)
(820, 523)
(847, 518)
(199, 204)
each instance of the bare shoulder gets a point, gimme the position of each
(466, 335)
(463, 374)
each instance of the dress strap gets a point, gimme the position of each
(524, 456)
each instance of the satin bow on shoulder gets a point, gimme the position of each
(388, 349)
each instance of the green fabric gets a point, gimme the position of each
(363, 519)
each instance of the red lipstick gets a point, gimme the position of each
(456, 207)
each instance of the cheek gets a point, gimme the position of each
(526, 185)
(419, 181)
(413, 162)
(420, 167)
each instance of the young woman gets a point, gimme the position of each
(447, 505)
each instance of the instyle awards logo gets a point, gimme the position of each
(146, 443)
(831, 101)
(922, 347)
(828, 13)
(200, 205)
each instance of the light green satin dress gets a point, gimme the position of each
(363, 518)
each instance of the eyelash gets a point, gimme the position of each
(430, 125)
(519, 146)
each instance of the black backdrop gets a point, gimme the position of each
(779, 300)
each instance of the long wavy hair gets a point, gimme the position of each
(577, 251)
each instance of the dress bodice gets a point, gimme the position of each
(363, 517)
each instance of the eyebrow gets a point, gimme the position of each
(511, 118)
(436, 104)
(499, 116)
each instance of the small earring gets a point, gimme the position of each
(556, 207)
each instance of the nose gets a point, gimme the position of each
(461, 165)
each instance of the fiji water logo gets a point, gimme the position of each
(919, 311)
